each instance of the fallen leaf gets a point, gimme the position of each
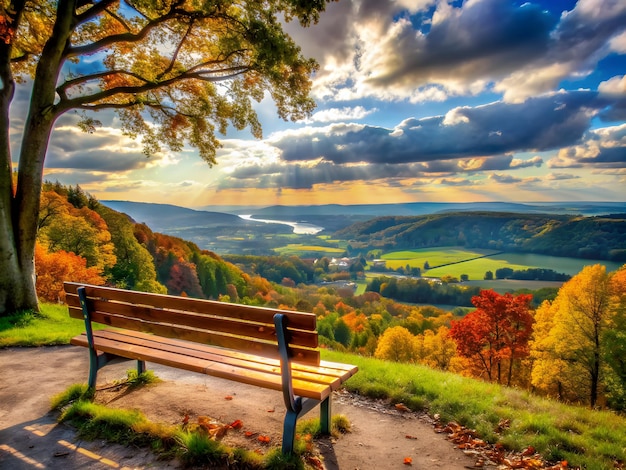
(530, 450)
(249, 434)
(185, 419)
(237, 424)
(264, 439)
(219, 431)
(408, 436)
(228, 397)
(408, 461)
(402, 407)
(315, 462)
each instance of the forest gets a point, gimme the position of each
(598, 237)
(569, 343)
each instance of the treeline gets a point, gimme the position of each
(427, 291)
(600, 237)
(423, 291)
(276, 268)
(531, 274)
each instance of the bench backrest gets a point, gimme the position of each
(241, 327)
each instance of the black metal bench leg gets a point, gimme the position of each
(93, 368)
(141, 367)
(289, 431)
(325, 416)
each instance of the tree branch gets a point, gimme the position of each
(83, 101)
(95, 10)
(177, 51)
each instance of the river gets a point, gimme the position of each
(298, 227)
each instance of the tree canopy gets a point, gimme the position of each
(176, 72)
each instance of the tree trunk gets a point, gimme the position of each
(17, 281)
(19, 209)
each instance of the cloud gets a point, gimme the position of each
(429, 51)
(308, 175)
(340, 114)
(615, 86)
(544, 123)
(107, 150)
(583, 36)
(509, 179)
(602, 148)
(560, 176)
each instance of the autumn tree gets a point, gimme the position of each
(615, 340)
(436, 349)
(176, 72)
(134, 267)
(495, 335)
(397, 344)
(54, 268)
(79, 231)
(570, 343)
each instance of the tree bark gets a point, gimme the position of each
(19, 210)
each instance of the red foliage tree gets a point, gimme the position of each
(183, 278)
(496, 334)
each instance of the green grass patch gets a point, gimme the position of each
(193, 446)
(299, 249)
(587, 438)
(53, 326)
(475, 269)
(435, 257)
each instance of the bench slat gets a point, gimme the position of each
(224, 356)
(309, 356)
(330, 369)
(195, 364)
(263, 331)
(297, 320)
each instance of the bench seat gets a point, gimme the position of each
(308, 381)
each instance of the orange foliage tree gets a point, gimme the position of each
(55, 268)
(496, 333)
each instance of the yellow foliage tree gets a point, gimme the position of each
(569, 338)
(397, 344)
(437, 348)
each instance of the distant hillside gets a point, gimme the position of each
(559, 235)
(423, 208)
(163, 216)
(215, 231)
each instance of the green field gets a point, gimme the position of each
(455, 261)
(299, 249)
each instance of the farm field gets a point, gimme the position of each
(299, 249)
(475, 263)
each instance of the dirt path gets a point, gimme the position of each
(30, 438)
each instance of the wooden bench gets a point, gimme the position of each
(269, 348)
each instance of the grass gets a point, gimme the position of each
(300, 249)
(587, 438)
(193, 446)
(53, 326)
(455, 261)
(473, 263)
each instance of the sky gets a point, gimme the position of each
(417, 101)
